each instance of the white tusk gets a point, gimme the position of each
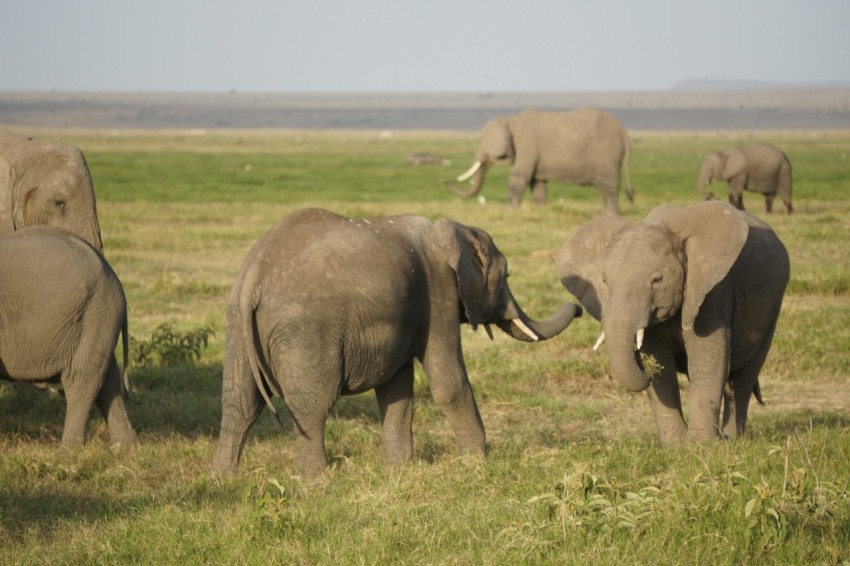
(639, 339)
(599, 341)
(489, 331)
(526, 329)
(472, 171)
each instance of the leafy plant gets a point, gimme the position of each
(169, 347)
(271, 501)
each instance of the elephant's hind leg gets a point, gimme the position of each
(110, 401)
(241, 404)
(395, 401)
(81, 386)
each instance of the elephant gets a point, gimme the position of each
(581, 147)
(44, 182)
(61, 310)
(699, 289)
(326, 305)
(758, 168)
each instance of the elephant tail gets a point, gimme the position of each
(125, 344)
(247, 308)
(757, 392)
(627, 159)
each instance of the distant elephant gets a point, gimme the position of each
(43, 182)
(582, 147)
(699, 288)
(758, 168)
(61, 309)
(326, 305)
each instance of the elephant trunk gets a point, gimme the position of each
(520, 326)
(623, 341)
(705, 179)
(479, 170)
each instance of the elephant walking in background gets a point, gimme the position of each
(43, 182)
(326, 306)
(758, 168)
(699, 289)
(582, 147)
(61, 309)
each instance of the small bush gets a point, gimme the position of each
(169, 348)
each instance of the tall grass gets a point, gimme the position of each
(574, 472)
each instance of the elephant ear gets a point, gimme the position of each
(736, 162)
(580, 260)
(496, 139)
(465, 252)
(7, 182)
(713, 234)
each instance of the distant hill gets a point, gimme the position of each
(698, 85)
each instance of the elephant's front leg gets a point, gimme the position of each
(736, 192)
(519, 180)
(450, 387)
(395, 401)
(539, 191)
(708, 368)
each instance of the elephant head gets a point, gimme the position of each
(720, 166)
(481, 271)
(632, 277)
(46, 183)
(495, 146)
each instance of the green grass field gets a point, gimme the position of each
(574, 473)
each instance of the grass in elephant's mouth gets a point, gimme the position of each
(650, 365)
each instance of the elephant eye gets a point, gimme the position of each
(60, 203)
(657, 279)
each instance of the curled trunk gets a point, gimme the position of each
(474, 187)
(519, 326)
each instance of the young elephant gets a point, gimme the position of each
(326, 305)
(758, 168)
(698, 288)
(61, 309)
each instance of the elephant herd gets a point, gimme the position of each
(694, 290)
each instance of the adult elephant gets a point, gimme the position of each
(699, 288)
(758, 168)
(61, 310)
(44, 182)
(326, 305)
(582, 147)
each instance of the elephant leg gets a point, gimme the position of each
(609, 193)
(736, 193)
(110, 401)
(516, 187)
(451, 390)
(708, 346)
(395, 401)
(539, 191)
(666, 401)
(768, 203)
(241, 404)
(81, 387)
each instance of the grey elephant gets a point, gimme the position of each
(697, 288)
(326, 305)
(759, 168)
(44, 182)
(61, 310)
(582, 147)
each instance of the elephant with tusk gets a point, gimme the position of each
(699, 289)
(326, 305)
(582, 147)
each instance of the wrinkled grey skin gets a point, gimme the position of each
(43, 182)
(61, 309)
(706, 283)
(758, 168)
(583, 147)
(326, 306)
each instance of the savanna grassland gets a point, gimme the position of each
(574, 473)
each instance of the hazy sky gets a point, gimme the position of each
(426, 45)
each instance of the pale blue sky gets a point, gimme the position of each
(428, 45)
